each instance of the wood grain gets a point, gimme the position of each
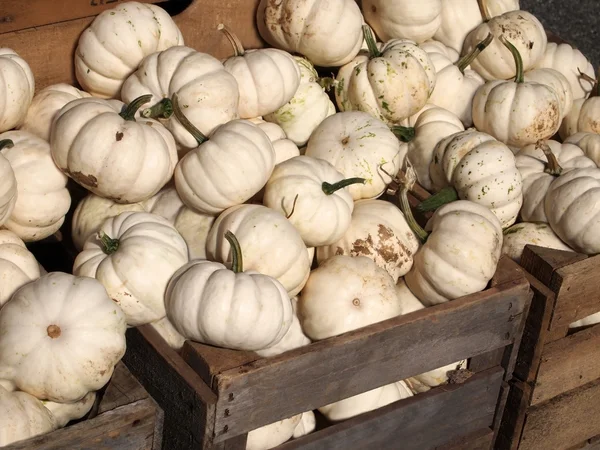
(513, 419)
(480, 440)
(122, 389)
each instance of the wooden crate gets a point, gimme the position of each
(124, 418)
(554, 401)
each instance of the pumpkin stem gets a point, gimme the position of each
(552, 166)
(327, 83)
(485, 14)
(594, 81)
(405, 134)
(407, 182)
(466, 60)
(237, 263)
(329, 189)
(6, 143)
(189, 126)
(238, 48)
(518, 60)
(371, 42)
(446, 195)
(109, 245)
(162, 110)
(128, 112)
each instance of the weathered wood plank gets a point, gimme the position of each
(513, 418)
(122, 389)
(425, 421)
(480, 440)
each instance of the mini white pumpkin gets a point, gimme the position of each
(271, 245)
(586, 321)
(539, 164)
(530, 233)
(380, 232)
(583, 116)
(359, 146)
(101, 146)
(45, 106)
(589, 143)
(115, 43)
(273, 435)
(42, 196)
(17, 86)
(65, 412)
(409, 302)
(307, 425)
(8, 187)
(284, 148)
(208, 303)
(134, 255)
(391, 83)
(327, 32)
(436, 49)
(558, 82)
(573, 209)
(61, 337)
(18, 266)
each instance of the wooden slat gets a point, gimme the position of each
(425, 421)
(513, 419)
(568, 364)
(122, 389)
(563, 421)
(480, 440)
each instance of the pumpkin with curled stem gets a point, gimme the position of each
(18, 266)
(17, 85)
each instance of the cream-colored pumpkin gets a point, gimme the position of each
(558, 82)
(314, 197)
(65, 412)
(271, 245)
(115, 43)
(45, 106)
(8, 188)
(417, 20)
(208, 303)
(586, 321)
(344, 294)
(569, 61)
(17, 86)
(307, 425)
(134, 256)
(583, 117)
(284, 148)
(169, 333)
(273, 435)
(309, 106)
(18, 266)
(481, 170)
(436, 49)
(522, 29)
(42, 196)
(589, 143)
(61, 337)
(530, 233)
(573, 209)
(380, 232)
(106, 150)
(359, 146)
(538, 173)
(408, 301)
(327, 32)
(391, 83)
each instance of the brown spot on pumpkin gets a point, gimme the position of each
(356, 302)
(346, 140)
(339, 251)
(53, 331)
(118, 136)
(530, 45)
(85, 180)
(362, 247)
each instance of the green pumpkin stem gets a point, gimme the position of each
(484, 10)
(327, 83)
(466, 60)
(446, 195)
(128, 112)
(407, 182)
(405, 134)
(552, 166)
(518, 60)
(189, 126)
(238, 47)
(109, 245)
(371, 42)
(237, 262)
(329, 189)
(6, 143)
(162, 110)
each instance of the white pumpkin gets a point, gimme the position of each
(391, 83)
(539, 164)
(521, 28)
(23, 416)
(134, 255)
(380, 232)
(61, 337)
(18, 266)
(530, 233)
(169, 333)
(208, 303)
(65, 412)
(270, 244)
(273, 435)
(586, 321)
(307, 425)
(481, 170)
(17, 86)
(573, 209)
(359, 146)
(8, 186)
(437, 377)
(558, 82)
(205, 90)
(309, 106)
(115, 43)
(327, 32)
(589, 143)
(436, 49)
(583, 117)
(569, 61)
(45, 106)
(517, 112)
(42, 196)
(367, 401)
(459, 18)
(102, 147)
(408, 301)
(284, 148)
(344, 294)
(417, 20)
(495, 8)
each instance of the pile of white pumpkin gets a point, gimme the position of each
(215, 184)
